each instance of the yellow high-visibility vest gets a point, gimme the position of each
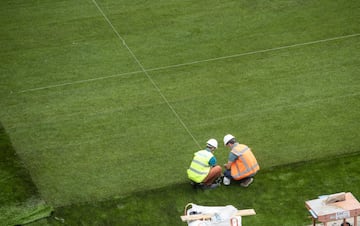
(199, 167)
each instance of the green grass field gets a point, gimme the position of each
(104, 100)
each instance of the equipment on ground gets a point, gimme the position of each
(226, 181)
(341, 206)
(196, 215)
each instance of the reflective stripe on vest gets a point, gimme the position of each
(245, 165)
(199, 167)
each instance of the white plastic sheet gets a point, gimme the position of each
(221, 215)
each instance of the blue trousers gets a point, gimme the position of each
(227, 173)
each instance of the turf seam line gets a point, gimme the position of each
(146, 73)
(191, 63)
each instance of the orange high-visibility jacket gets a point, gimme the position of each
(246, 164)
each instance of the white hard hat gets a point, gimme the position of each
(227, 138)
(212, 142)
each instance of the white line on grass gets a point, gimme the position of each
(79, 82)
(279, 108)
(255, 52)
(190, 63)
(146, 73)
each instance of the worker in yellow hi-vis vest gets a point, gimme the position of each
(242, 165)
(203, 170)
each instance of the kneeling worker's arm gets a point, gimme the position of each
(227, 165)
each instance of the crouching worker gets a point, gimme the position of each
(204, 171)
(242, 164)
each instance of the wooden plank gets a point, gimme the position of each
(196, 217)
(246, 212)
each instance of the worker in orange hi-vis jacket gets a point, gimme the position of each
(242, 165)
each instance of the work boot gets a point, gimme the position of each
(219, 180)
(247, 182)
(211, 186)
(196, 185)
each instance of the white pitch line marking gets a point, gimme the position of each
(191, 63)
(79, 82)
(279, 107)
(147, 74)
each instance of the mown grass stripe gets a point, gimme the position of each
(191, 63)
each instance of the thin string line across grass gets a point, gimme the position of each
(146, 73)
(191, 63)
